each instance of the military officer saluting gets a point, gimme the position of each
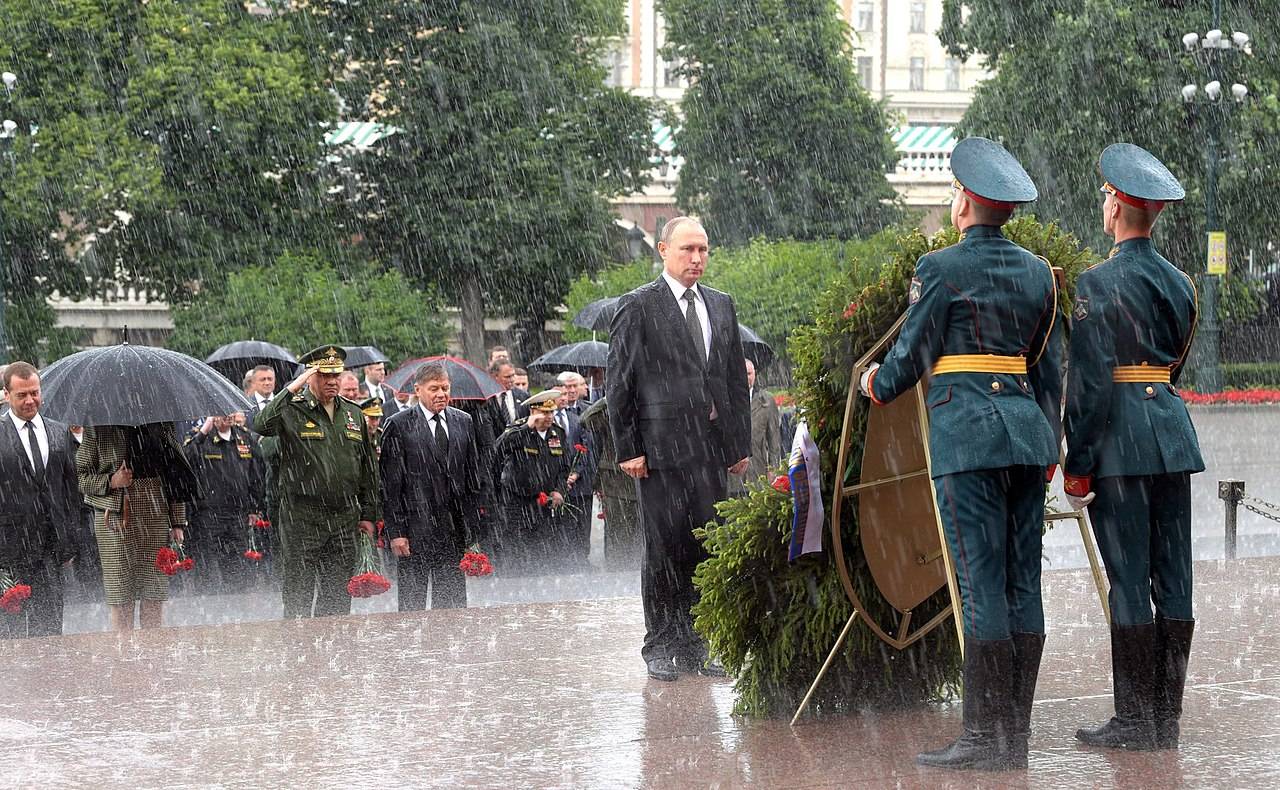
(327, 483)
(534, 459)
(1131, 448)
(980, 321)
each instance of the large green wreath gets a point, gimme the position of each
(771, 622)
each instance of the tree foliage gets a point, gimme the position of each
(497, 189)
(772, 622)
(300, 301)
(1123, 66)
(778, 137)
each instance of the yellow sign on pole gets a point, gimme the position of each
(1217, 252)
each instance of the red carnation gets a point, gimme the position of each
(582, 448)
(851, 309)
(262, 523)
(366, 581)
(475, 563)
(253, 555)
(543, 499)
(14, 595)
(782, 483)
(187, 564)
(167, 561)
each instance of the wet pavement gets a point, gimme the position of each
(555, 695)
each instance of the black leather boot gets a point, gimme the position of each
(984, 746)
(1027, 650)
(1133, 651)
(1173, 648)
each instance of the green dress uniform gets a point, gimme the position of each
(327, 482)
(981, 321)
(1131, 443)
(532, 464)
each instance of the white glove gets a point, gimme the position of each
(864, 385)
(1080, 502)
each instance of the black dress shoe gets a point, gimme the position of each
(662, 669)
(712, 669)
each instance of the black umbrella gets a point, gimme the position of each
(235, 359)
(466, 381)
(360, 356)
(577, 357)
(753, 348)
(134, 385)
(597, 315)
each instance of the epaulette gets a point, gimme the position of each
(299, 397)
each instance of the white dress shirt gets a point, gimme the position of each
(42, 438)
(700, 304)
(431, 415)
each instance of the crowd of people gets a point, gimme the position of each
(268, 497)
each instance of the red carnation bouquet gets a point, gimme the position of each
(12, 594)
(367, 581)
(254, 552)
(173, 558)
(261, 523)
(545, 500)
(475, 562)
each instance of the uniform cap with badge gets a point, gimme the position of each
(325, 359)
(1135, 176)
(990, 175)
(371, 407)
(543, 401)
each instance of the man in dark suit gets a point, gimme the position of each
(577, 523)
(375, 379)
(430, 469)
(508, 405)
(40, 505)
(679, 411)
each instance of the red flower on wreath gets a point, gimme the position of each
(475, 563)
(253, 555)
(782, 483)
(851, 309)
(543, 499)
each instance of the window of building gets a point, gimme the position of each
(917, 16)
(953, 74)
(670, 79)
(917, 74)
(864, 72)
(865, 17)
(615, 61)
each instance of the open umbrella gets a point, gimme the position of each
(755, 349)
(234, 359)
(466, 381)
(578, 357)
(134, 385)
(360, 356)
(597, 315)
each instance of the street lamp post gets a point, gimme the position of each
(1214, 49)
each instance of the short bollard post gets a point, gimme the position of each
(1231, 492)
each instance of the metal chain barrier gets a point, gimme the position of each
(1254, 505)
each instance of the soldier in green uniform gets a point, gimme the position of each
(623, 540)
(1131, 449)
(371, 408)
(327, 482)
(534, 460)
(981, 321)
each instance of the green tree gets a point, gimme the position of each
(497, 190)
(1073, 77)
(160, 144)
(299, 301)
(778, 137)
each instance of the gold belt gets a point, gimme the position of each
(980, 363)
(1141, 374)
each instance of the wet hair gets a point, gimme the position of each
(989, 215)
(569, 376)
(430, 371)
(669, 229)
(18, 370)
(262, 369)
(497, 364)
(522, 372)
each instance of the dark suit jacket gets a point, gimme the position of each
(660, 390)
(36, 517)
(585, 462)
(419, 487)
(390, 405)
(501, 419)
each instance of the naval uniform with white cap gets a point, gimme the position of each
(981, 322)
(533, 457)
(1131, 448)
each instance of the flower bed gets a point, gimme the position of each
(1249, 397)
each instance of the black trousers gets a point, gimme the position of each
(436, 571)
(674, 502)
(41, 614)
